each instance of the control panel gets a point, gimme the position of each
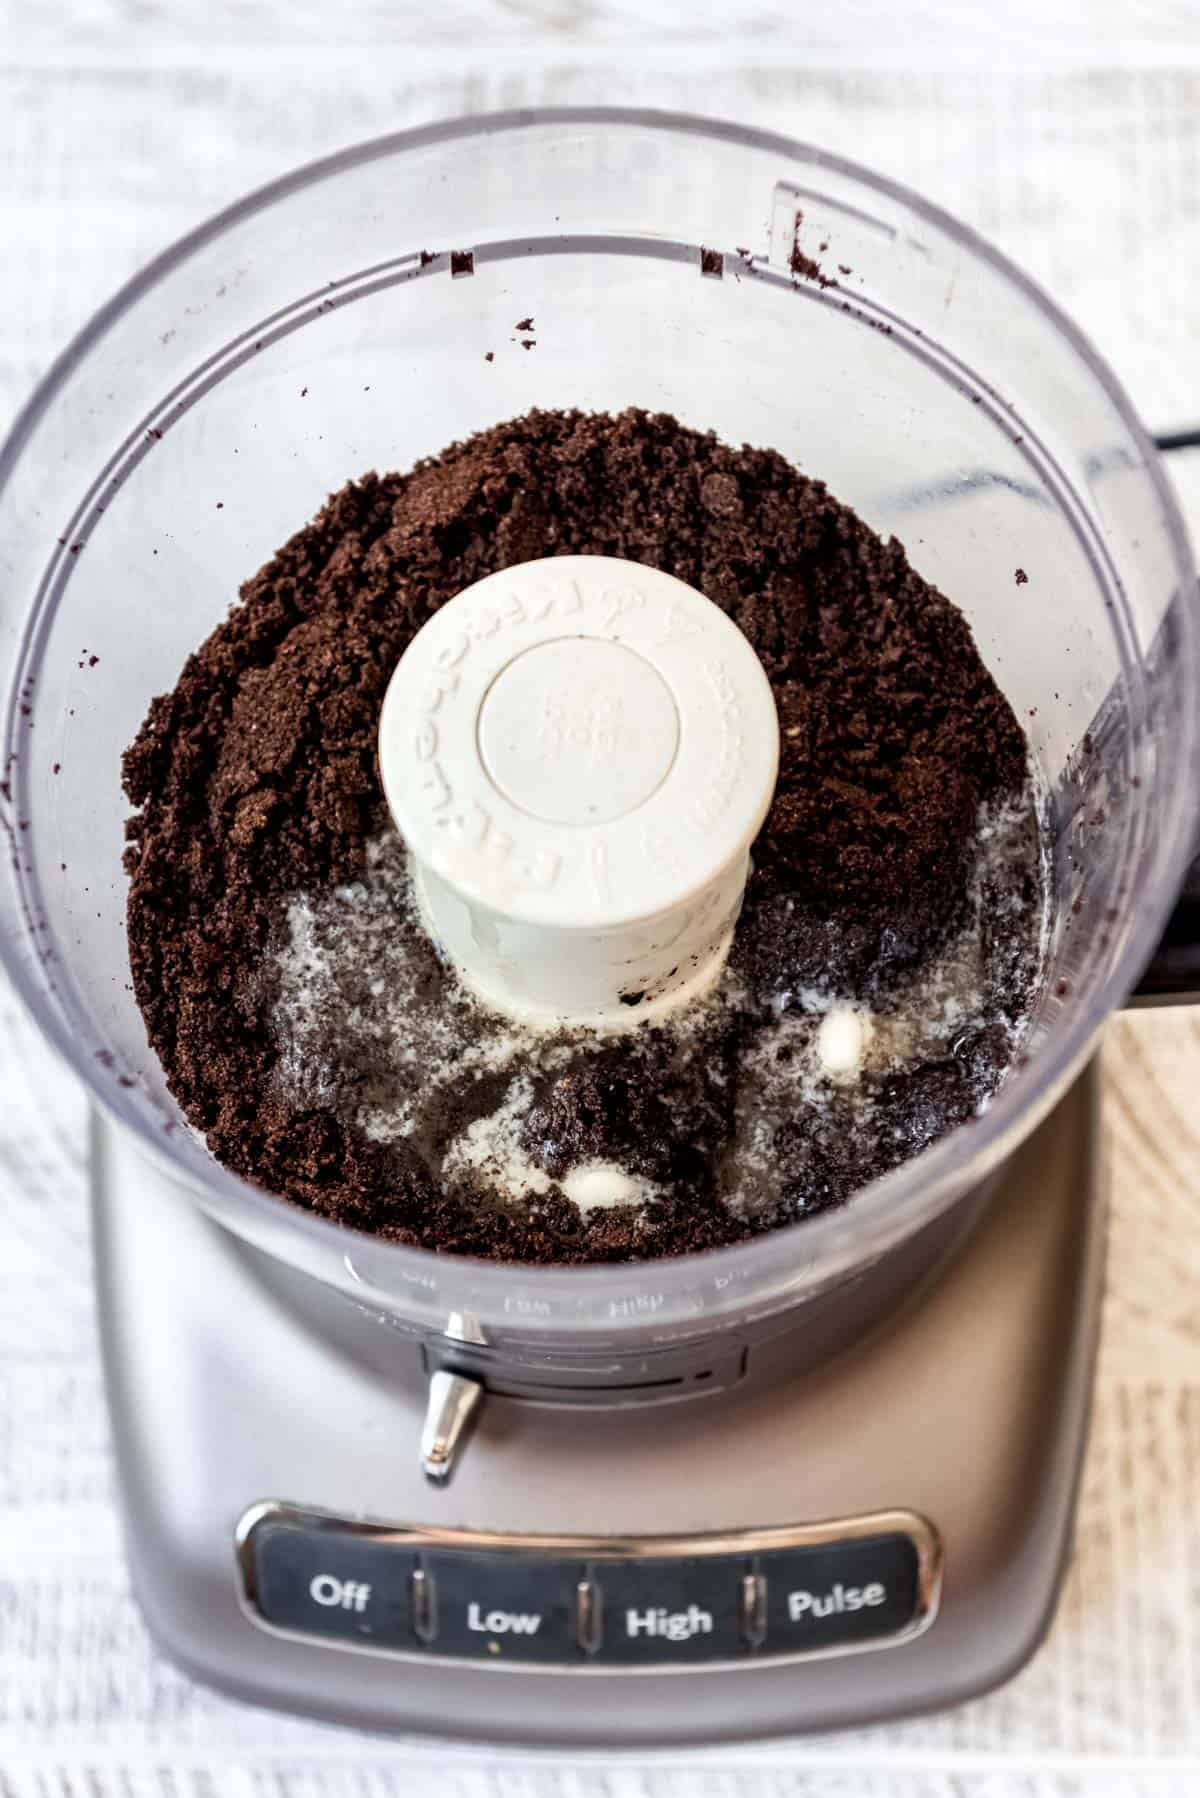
(606, 1603)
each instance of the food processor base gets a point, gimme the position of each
(968, 1409)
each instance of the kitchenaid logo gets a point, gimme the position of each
(469, 829)
(438, 691)
(806, 1607)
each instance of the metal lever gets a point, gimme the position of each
(453, 1402)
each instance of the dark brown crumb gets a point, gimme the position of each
(1021, 577)
(462, 262)
(712, 262)
(523, 324)
(803, 266)
(256, 778)
(489, 355)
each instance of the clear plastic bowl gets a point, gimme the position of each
(328, 325)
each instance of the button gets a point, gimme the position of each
(679, 1609)
(504, 1607)
(328, 1582)
(840, 1594)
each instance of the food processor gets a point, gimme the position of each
(822, 1477)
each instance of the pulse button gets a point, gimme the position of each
(846, 1593)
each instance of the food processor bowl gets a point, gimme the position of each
(360, 314)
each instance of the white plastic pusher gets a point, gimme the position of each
(579, 752)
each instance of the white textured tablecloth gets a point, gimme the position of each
(1071, 135)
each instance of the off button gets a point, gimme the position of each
(329, 1582)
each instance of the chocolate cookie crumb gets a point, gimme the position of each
(803, 266)
(260, 816)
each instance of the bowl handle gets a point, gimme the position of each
(1172, 976)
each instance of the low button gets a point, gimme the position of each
(504, 1607)
(323, 1582)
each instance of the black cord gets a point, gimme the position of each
(1178, 440)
